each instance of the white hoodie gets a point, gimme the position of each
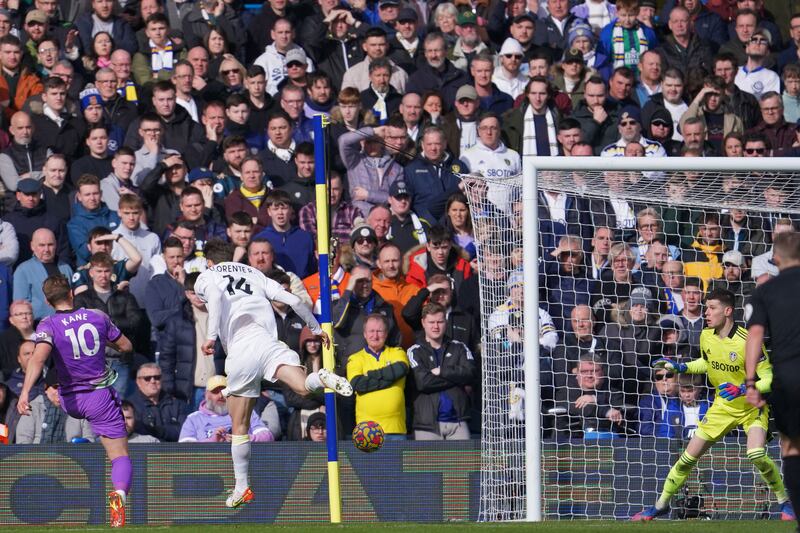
(274, 65)
(494, 164)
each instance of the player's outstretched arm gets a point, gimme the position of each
(32, 373)
(670, 365)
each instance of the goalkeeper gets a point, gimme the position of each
(722, 348)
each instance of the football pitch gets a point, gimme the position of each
(588, 526)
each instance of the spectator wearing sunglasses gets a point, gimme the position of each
(752, 77)
(658, 408)
(508, 76)
(157, 413)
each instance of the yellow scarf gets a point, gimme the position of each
(255, 197)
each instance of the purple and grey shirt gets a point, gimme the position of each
(79, 338)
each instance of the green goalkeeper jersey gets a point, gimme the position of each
(723, 361)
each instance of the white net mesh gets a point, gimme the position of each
(625, 261)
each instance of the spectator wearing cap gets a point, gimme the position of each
(491, 98)
(101, 17)
(375, 45)
(30, 213)
(212, 421)
(630, 130)
(405, 45)
(343, 214)
(596, 13)
(297, 69)
(364, 243)
(531, 128)
(316, 428)
(24, 157)
(47, 422)
(380, 97)
(773, 125)
(686, 48)
(754, 76)
(371, 170)
(571, 74)
(733, 279)
(507, 75)
(553, 30)
(460, 125)
(437, 73)
(407, 229)
(249, 197)
(660, 128)
(469, 44)
(388, 11)
(433, 176)
(91, 109)
(273, 59)
(163, 56)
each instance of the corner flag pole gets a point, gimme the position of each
(328, 361)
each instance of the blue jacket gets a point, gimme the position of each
(498, 102)
(430, 185)
(28, 279)
(294, 250)
(654, 422)
(605, 46)
(84, 221)
(179, 355)
(163, 299)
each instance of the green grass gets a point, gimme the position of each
(589, 526)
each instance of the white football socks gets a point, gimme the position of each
(240, 453)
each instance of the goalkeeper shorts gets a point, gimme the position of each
(719, 421)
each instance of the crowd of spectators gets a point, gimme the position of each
(133, 132)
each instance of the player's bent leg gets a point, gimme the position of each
(121, 475)
(240, 408)
(675, 479)
(757, 453)
(296, 379)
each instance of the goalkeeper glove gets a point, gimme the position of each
(672, 366)
(729, 391)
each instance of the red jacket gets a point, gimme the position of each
(420, 266)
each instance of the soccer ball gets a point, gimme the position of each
(368, 436)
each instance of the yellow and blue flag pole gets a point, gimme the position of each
(328, 360)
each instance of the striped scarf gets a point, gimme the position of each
(627, 49)
(529, 135)
(255, 198)
(128, 92)
(160, 58)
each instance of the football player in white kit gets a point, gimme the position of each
(237, 297)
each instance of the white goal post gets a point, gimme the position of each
(513, 484)
(533, 167)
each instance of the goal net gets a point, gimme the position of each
(624, 259)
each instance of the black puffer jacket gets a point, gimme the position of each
(124, 312)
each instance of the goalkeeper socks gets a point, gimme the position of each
(240, 452)
(769, 472)
(791, 477)
(121, 473)
(313, 382)
(676, 478)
